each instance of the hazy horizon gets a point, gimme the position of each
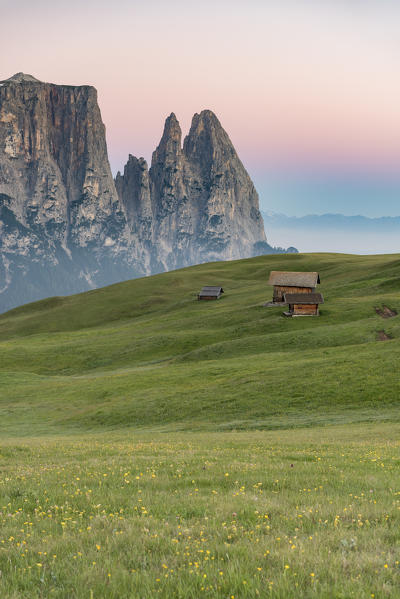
(333, 233)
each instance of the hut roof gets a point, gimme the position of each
(293, 279)
(303, 298)
(210, 291)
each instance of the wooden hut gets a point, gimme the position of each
(303, 304)
(210, 293)
(292, 282)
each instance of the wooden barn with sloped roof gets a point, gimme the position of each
(292, 282)
(303, 304)
(210, 293)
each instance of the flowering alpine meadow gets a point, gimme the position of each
(304, 513)
(152, 445)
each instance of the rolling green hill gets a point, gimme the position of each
(96, 501)
(147, 354)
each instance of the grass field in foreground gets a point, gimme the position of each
(304, 513)
(146, 354)
(123, 471)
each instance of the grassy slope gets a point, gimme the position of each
(129, 512)
(145, 353)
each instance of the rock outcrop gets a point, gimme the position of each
(62, 226)
(133, 188)
(66, 226)
(230, 222)
(204, 204)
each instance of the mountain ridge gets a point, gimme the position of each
(335, 232)
(69, 227)
(332, 219)
(202, 202)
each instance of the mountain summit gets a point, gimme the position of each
(66, 226)
(21, 78)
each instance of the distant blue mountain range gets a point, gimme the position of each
(334, 233)
(334, 221)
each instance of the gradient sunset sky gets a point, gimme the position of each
(309, 91)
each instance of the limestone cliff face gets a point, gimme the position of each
(230, 223)
(173, 228)
(203, 203)
(133, 188)
(64, 215)
(66, 226)
(54, 162)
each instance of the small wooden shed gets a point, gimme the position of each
(292, 282)
(210, 293)
(303, 304)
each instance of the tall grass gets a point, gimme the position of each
(310, 513)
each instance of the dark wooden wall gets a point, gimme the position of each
(311, 309)
(279, 291)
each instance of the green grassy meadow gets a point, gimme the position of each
(155, 446)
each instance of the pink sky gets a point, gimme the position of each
(296, 83)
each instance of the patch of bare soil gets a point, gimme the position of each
(386, 312)
(382, 336)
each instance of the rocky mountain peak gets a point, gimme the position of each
(207, 117)
(169, 147)
(203, 204)
(67, 226)
(21, 78)
(207, 142)
(171, 119)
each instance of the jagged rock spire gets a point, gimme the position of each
(169, 147)
(204, 205)
(207, 142)
(133, 188)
